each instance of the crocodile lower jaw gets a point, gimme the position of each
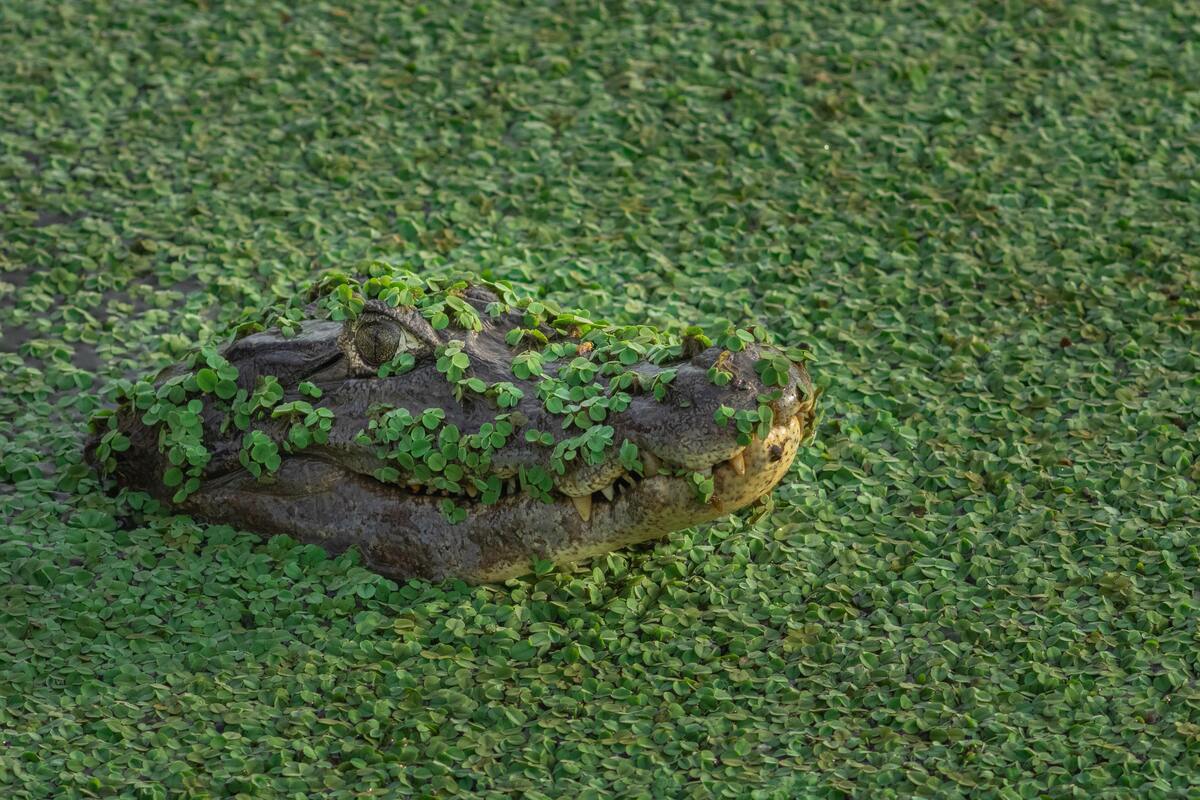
(664, 503)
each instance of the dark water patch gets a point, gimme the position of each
(47, 218)
(18, 277)
(13, 336)
(85, 357)
(186, 286)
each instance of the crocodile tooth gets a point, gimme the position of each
(511, 485)
(738, 462)
(471, 490)
(650, 464)
(607, 491)
(583, 505)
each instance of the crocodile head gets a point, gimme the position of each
(448, 428)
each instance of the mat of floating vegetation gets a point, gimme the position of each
(979, 579)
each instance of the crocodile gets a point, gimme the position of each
(452, 427)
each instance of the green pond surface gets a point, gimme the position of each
(980, 580)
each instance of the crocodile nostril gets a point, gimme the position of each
(776, 452)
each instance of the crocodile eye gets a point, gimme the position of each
(377, 340)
